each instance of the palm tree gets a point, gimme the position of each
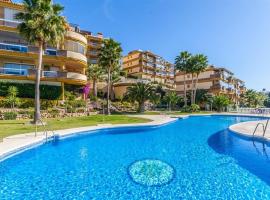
(95, 73)
(220, 102)
(200, 64)
(182, 64)
(41, 25)
(171, 98)
(109, 60)
(12, 99)
(141, 92)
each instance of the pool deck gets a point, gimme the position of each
(13, 144)
(247, 129)
(17, 143)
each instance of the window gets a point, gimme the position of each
(94, 61)
(16, 69)
(74, 46)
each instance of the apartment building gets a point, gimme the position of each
(145, 66)
(216, 81)
(66, 65)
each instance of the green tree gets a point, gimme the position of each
(220, 102)
(141, 92)
(95, 74)
(109, 60)
(11, 99)
(41, 25)
(182, 64)
(171, 98)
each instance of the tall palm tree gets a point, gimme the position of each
(41, 25)
(141, 92)
(109, 60)
(171, 98)
(200, 64)
(182, 64)
(95, 73)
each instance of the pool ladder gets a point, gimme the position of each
(45, 130)
(264, 126)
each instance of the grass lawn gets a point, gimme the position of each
(13, 127)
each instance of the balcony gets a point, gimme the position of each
(13, 71)
(76, 36)
(9, 23)
(73, 55)
(216, 76)
(44, 74)
(13, 47)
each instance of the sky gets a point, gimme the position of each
(233, 33)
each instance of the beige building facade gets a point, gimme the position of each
(216, 81)
(145, 66)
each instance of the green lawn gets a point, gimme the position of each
(13, 127)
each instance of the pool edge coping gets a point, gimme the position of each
(76, 131)
(73, 132)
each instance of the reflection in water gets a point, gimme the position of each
(251, 154)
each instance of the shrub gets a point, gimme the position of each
(46, 104)
(194, 108)
(10, 116)
(27, 90)
(186, 109)
(54, 112)
(27, 103)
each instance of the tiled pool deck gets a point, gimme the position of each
(17, 143)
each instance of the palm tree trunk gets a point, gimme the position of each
(95, 87)
(185, 90)
(196, 87)
(192, 88)
(141, 107)
(111, 92)
(37, 115)
(108, 92)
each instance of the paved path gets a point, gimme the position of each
(16, 143)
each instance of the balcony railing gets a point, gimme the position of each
(50, 74)
(13, 47)
(14, 72)
(45, 74)
(9, 23)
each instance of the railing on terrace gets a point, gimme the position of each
(13, 47)
(12, 71)
(9, 23)
(50, 74)
(261, 111)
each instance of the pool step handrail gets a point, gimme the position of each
(264, 126)
(45, 130)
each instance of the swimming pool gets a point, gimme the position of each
(197, 157)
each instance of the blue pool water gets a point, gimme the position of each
(208, 162)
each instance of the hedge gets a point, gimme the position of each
(27, 90)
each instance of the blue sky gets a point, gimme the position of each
(233, 33)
